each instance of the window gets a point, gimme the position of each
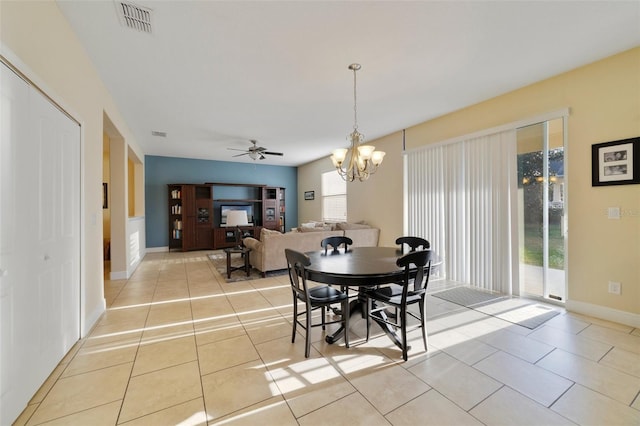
(334, 197)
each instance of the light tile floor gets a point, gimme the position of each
(179, 345)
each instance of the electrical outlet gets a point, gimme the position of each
(614, 287)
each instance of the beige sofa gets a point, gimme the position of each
(267, 254)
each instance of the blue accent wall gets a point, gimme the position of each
(161, 171)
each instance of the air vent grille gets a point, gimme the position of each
(159, 134)
(134, 16)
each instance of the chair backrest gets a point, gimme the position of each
(335, 242)
(421, 260)
(296, 263)
(414, 243)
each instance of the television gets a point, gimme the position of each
(226, 208)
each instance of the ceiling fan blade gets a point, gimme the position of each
(262, 157)
(240, 155)
(273, 153)
(236, 149)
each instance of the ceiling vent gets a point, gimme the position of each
(159, 134)
(134, 16)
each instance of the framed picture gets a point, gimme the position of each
(309, 195)
(105, 199)
(615, 163)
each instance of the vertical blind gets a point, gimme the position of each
(459, 197)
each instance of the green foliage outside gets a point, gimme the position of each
(530, 174)
(533, 253)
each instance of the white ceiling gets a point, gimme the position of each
(214, 74)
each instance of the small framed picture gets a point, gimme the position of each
(309, 195)
(615, 163)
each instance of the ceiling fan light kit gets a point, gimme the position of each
(363, 159)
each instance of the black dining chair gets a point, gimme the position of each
(412, 291)
(336, 242)
(318, 297)
(414, 243)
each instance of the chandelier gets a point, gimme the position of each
(363, 160)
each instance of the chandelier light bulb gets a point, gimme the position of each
(376, 157)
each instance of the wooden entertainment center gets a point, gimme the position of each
(196, 218)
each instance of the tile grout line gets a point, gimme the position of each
(133, 364)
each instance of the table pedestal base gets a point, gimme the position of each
(378, 317)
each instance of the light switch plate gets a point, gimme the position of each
(614, 213)
(614, 287)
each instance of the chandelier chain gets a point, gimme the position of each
(355, 102)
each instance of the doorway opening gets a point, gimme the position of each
(541, 210)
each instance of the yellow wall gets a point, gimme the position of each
(37, 36)
(604, 102)
(131, 187)
(106, 177)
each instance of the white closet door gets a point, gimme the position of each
(39, 241)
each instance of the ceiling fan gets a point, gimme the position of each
(255, 152)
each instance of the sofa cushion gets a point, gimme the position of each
(316, 229)
(307, 225)
(346, 225)
(325, 226)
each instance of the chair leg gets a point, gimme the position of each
(403, 328)
(323, 317)
(307, 337)
(366, 314)
(423, 324)
(295, 318)
(345, 318)
(345, 312)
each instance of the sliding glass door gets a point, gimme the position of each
(541, 218)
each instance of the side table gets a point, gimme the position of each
(244, 252)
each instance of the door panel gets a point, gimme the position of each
(541, 210)
(58, 196)
(14, 126)
(40, 234)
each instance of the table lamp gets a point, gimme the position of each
(237, 218)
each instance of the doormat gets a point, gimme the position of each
(468, 297)
(219, 261)
(514, 310)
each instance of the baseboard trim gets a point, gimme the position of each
(118, 275)
(92, 319)
(157, 249)
(602, 312)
